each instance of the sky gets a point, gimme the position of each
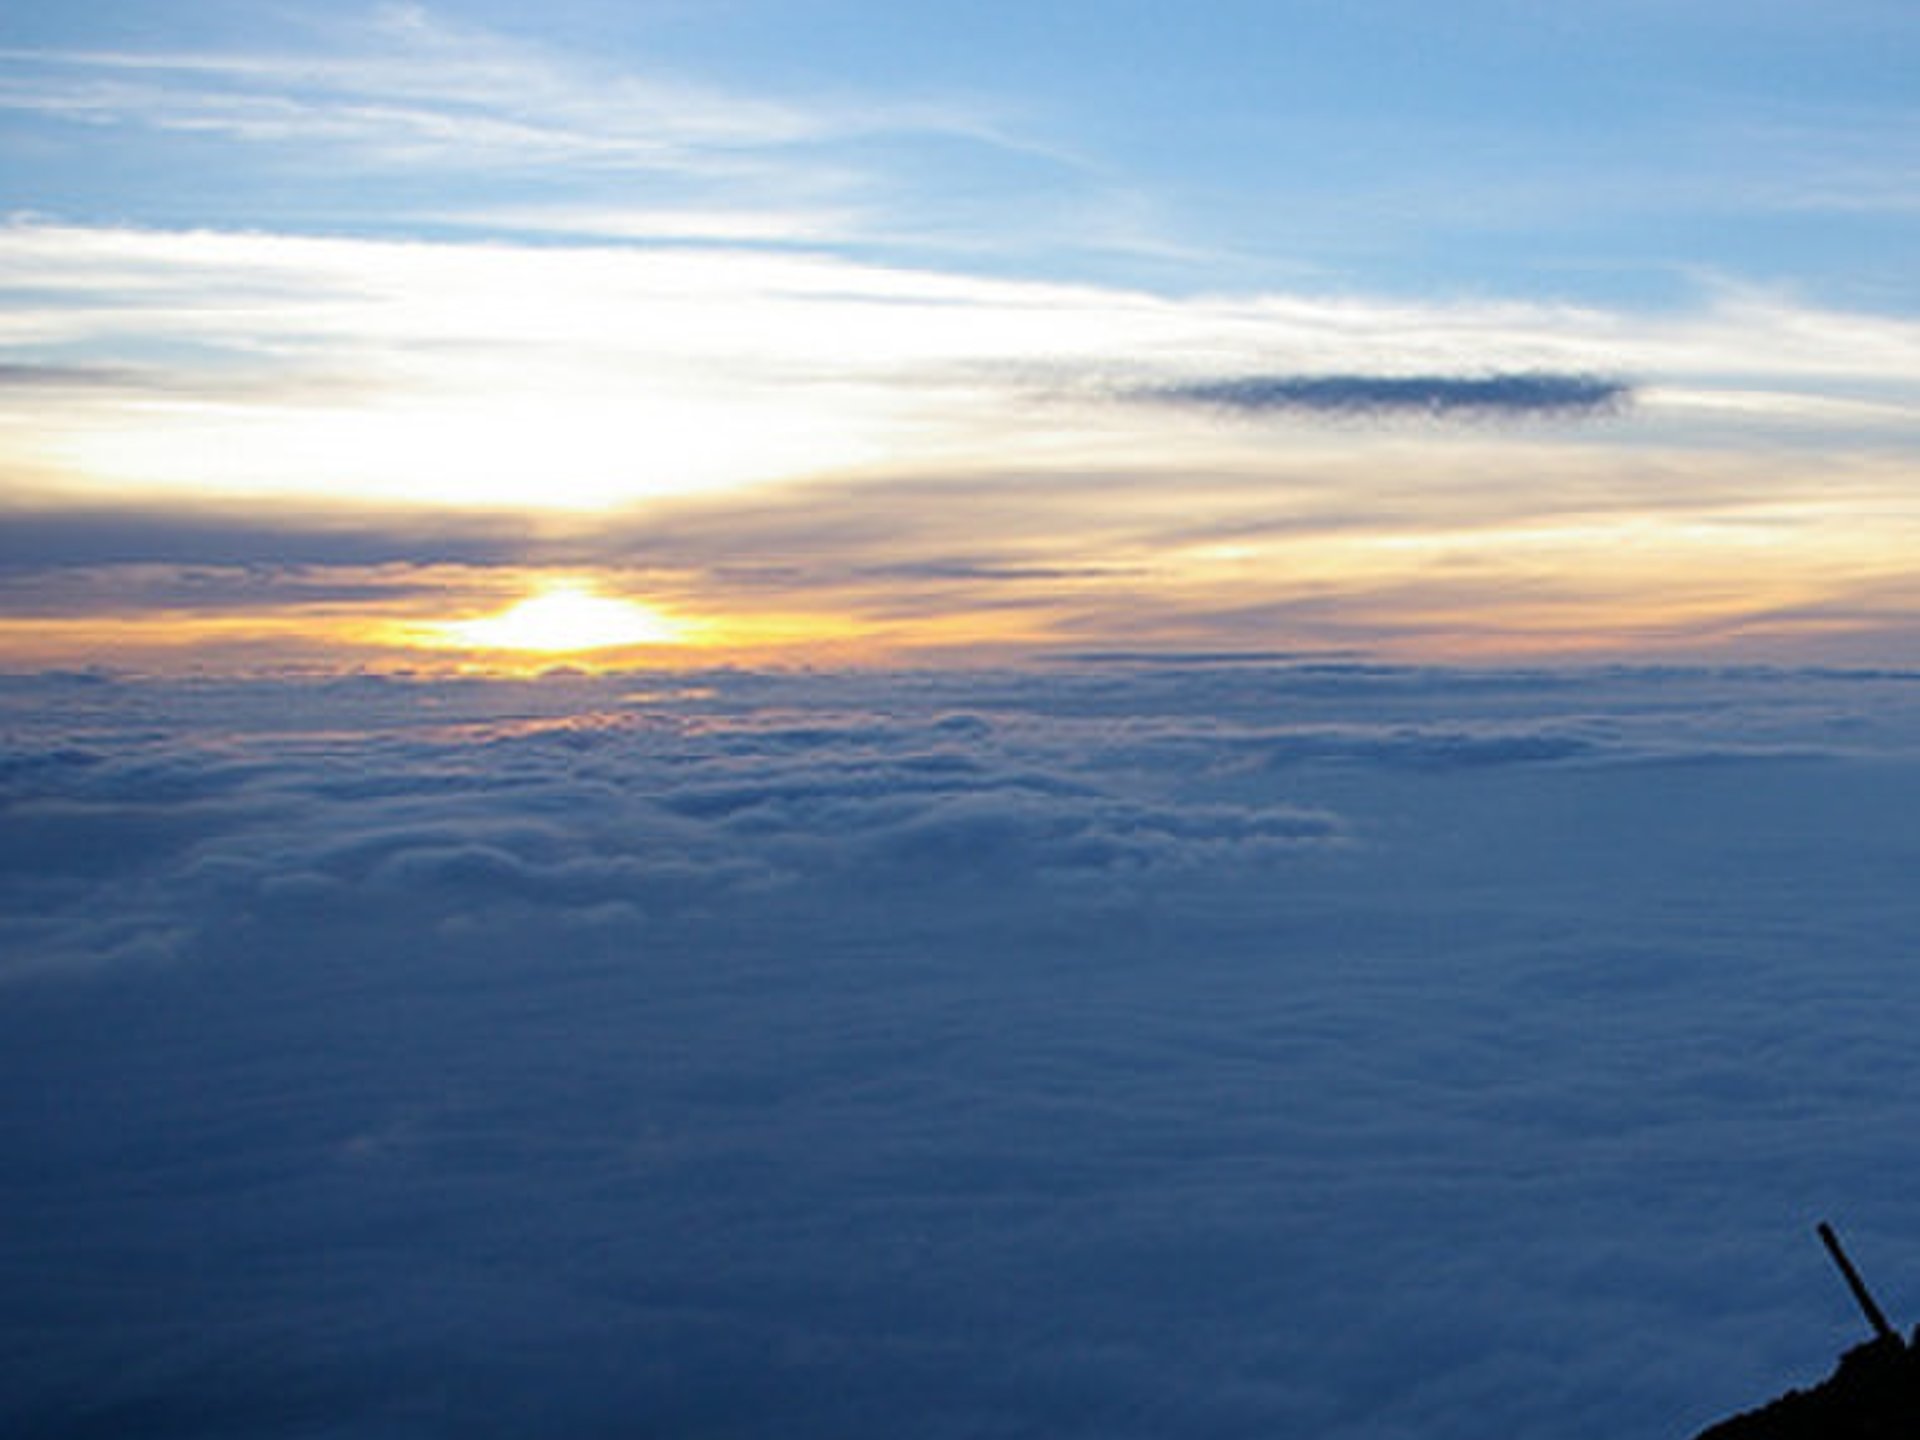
(831, 720)
(829, 332)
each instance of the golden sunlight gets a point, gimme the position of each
(565, 617)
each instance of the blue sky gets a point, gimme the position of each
(1620, 149)
(800, 277)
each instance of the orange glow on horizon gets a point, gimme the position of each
(1581, 589)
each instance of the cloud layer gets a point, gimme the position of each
(1126, 1050)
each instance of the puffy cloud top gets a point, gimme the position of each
(1124, 1050)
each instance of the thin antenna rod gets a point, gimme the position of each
(1875, 1316)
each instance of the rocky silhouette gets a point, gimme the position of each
(1873, 1394)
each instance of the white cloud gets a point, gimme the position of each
(596, 374)
(714, 225)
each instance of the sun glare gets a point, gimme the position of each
(567, 618)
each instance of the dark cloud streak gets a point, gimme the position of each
(1527, 394)
(15, 375)
(50, 538)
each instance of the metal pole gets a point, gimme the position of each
(1875, 1316)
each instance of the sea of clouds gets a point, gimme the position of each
(1115, 1050)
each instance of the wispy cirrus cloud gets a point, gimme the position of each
(562, 138)
(404, 87)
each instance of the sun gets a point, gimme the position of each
(567, 617)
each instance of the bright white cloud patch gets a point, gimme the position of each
(594, 376)
(1129, 1051)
